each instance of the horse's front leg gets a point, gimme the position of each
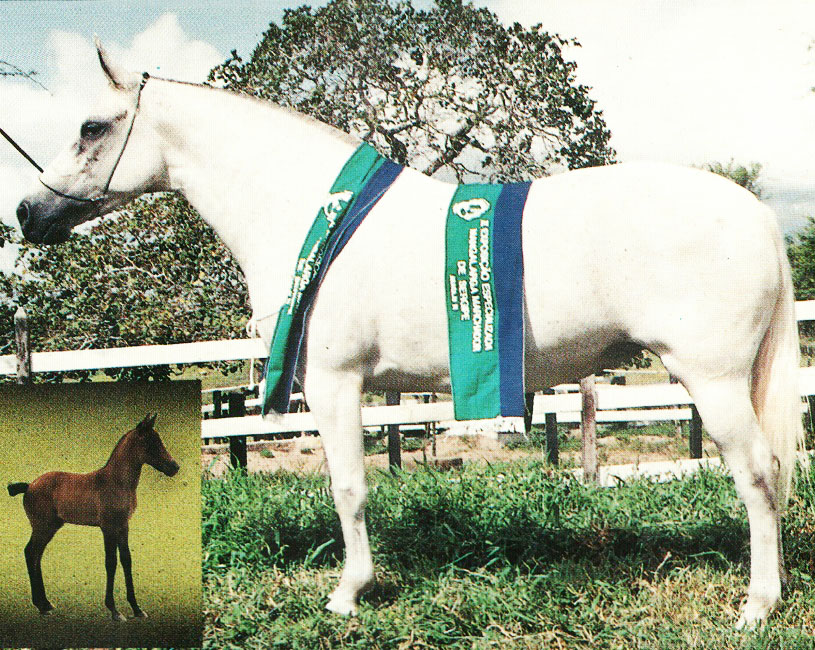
(111, 537)
(334, 398)
(127, 567)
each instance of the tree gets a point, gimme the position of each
(747, 177)
(449, 91)
(8, 69)
(156, 274)
(801, 251)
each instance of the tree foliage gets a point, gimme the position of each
(747, 177)
(156, 274)
(801, 251)
(449, 91)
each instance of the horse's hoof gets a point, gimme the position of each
(118, 617)
(139, 613)
(45, 609)
(755, 611)
(341, 606)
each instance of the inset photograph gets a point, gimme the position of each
(101, 502)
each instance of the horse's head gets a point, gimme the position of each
(116, 158)
(151, 449)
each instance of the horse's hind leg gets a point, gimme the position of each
(730, 420)
(40, 536)
(334, 398)
(127, 564)
(111, 537)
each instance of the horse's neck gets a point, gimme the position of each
(121, 467)
(256, 173)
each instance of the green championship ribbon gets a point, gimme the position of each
(362, 181)
(484, 287)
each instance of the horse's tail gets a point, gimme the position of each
(775, 392)
(17, 488)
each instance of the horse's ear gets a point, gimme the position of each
(146, 423)
(153, 420)
(118, 77)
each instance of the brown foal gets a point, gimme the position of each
(104, 498)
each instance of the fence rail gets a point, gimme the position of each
(614, 403)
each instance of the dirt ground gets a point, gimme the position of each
(305, 454)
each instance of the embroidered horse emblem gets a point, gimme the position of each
(471, 209)
(333, 206)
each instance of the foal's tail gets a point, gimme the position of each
(775, 392)
(17, 488)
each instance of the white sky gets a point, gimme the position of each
(687, 82)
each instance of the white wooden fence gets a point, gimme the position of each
(615, 403)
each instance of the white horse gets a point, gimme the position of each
(680, 261)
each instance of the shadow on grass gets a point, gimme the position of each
(422, 521)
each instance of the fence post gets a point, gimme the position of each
(551, 433)
(392, 398)
(217, 404)
(23, 344)
(695, 436)
(529, 408)
(237, 444)
(811, 413)
(588, 425)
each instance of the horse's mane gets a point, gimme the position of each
(309, 119)
(118, 445)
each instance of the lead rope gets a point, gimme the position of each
(20, 150)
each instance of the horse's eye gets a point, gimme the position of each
(92, 130)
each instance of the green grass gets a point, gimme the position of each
(502, 556)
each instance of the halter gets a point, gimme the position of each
(103, 195)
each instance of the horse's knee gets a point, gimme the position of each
(110, 562)
(125, 557)
(351, 500)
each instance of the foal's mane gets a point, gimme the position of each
(312, 121)
(119, 444)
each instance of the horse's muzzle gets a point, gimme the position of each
(171, 468)
(48, 227)
(23, 213)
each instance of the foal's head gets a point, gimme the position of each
(149, 448)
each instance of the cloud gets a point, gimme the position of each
(692, 83)
(44, 122)
(687, 81)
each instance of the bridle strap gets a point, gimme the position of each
(144, 78)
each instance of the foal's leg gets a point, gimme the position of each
(111, 536)
(124, 556)
(40, 536)
(334, 398)
(728, 415)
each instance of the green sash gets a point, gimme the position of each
(485, 309)
(325, 235)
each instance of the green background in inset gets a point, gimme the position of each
(74, 427)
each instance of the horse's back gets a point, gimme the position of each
(652, 253)
(662, 255)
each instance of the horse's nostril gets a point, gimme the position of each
(22, 213)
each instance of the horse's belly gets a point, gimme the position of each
(75, 503)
